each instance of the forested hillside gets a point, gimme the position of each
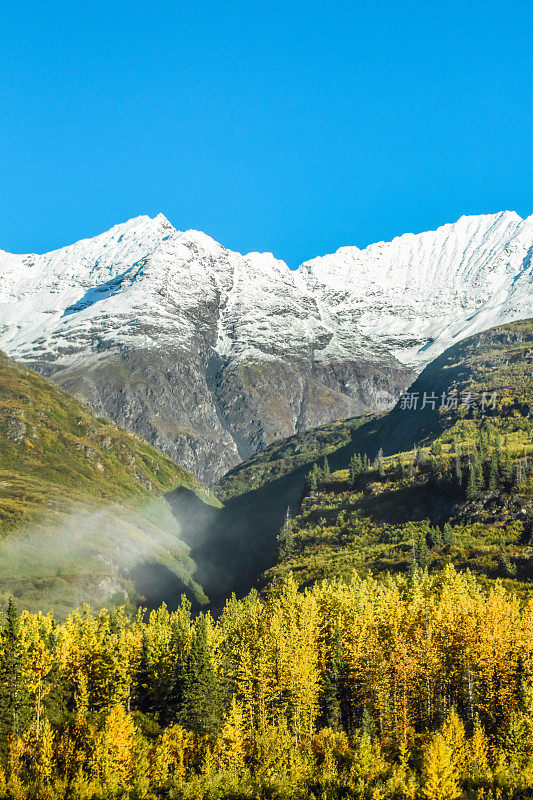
(466, 500)
(463, 495)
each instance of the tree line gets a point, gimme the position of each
(413, 686)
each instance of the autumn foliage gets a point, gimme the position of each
(409, 687)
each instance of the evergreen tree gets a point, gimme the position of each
(325, 468)
(179, 645)
(435, 537)
(421, 554)
(332, 684)
(202, 710)
(311, 481)
(355, 467)
(419, 458)
(458, 470)
(285, 536)
(15, 706)
(472, 485)
(507, 467)
(494, 472)
(448, 536)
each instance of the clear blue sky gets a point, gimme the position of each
(282, 126)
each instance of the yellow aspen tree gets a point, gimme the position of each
(161, 761)
(453, 733)
(42, 754)
(117, 750)
(368, 762)
(497, 657)
(172, 755)
(439, 782)
(41, 663)
(15, 760)
(477, 751)
(293, 631)
(230, 749)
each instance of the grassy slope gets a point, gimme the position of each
(376, 523)
(80, 499)
(287, 455)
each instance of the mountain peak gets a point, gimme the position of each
(152, 325)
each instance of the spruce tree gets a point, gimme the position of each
(311, 481)
(507, 469)
(435, 537)
(285, 536)
(494, 472)
(472, 486)
(178, 647)
(458, 470)
(355, 467)
(332, 684)
(448, 536)
(15, 708)
(202, 709)
(419, 457)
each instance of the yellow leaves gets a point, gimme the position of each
(330, 748)
(440, 782)
(229, 753)
(368, 762)
(453, 733)
(389, 655)
(477, 752)
(172, 754)
(292, 643)
(115, 750)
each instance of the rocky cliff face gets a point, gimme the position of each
(211, 355)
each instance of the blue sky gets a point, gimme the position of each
(283, 126)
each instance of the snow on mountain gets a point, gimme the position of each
(211, 354)
(419, 293)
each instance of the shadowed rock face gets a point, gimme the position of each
(211, 414)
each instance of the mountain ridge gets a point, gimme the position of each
(212, 355)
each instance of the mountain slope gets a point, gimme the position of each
(257, 493)
(82, 514)
(212, 355)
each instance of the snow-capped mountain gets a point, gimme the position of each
(211, 354)
(419, 294)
